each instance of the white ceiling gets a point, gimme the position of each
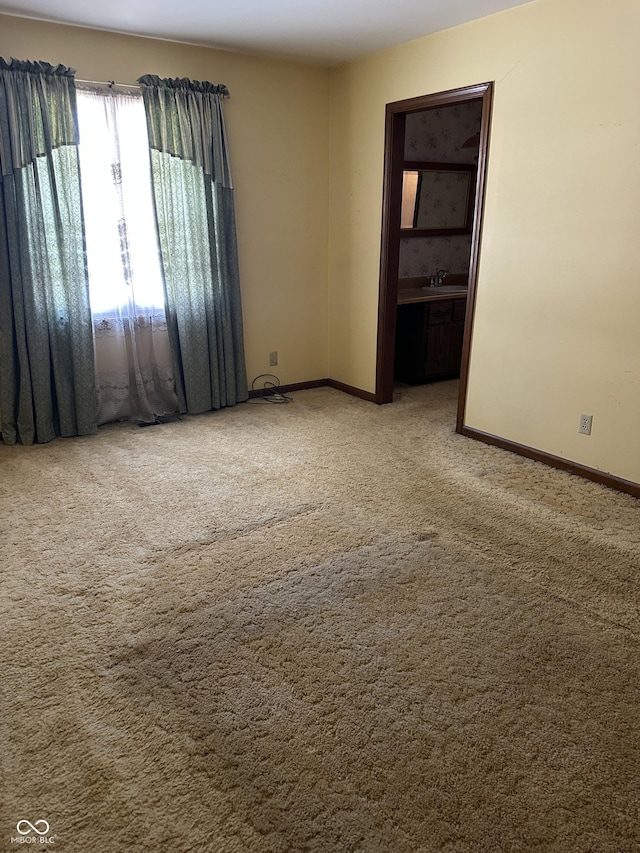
(324, 32)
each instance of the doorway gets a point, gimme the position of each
(394, 162)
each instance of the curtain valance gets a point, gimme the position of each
(37, 111)
(185, 120)
(185, 84)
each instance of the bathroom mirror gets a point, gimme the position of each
(437, 199)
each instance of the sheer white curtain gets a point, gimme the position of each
(133, 358)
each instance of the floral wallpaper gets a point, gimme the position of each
(421, 256)
(437, 136)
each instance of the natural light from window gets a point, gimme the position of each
(122, 247)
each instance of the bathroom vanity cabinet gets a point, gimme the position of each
(429, 335)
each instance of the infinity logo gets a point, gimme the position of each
(32, 827)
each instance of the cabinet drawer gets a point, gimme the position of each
(459, 309)
(440, 312)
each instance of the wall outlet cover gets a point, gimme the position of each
(585, 424)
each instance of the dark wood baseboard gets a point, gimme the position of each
(609, 480)
(350, 389)
(315, 383)
(284, 389)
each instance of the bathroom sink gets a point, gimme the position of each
(446, 288)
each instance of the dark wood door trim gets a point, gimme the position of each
(395, 116)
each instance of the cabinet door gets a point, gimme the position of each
(459, 310)
(444, 350)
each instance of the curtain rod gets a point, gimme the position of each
(109, 83)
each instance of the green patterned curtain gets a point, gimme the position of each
(196, 223)
(47, 377)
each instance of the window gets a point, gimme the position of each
(122, 246)
(134, 369)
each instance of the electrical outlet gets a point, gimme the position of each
(273, 359)
(585, 424)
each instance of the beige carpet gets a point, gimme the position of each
(323, 626)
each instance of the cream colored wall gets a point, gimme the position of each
(278, 124)
(558, 301)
